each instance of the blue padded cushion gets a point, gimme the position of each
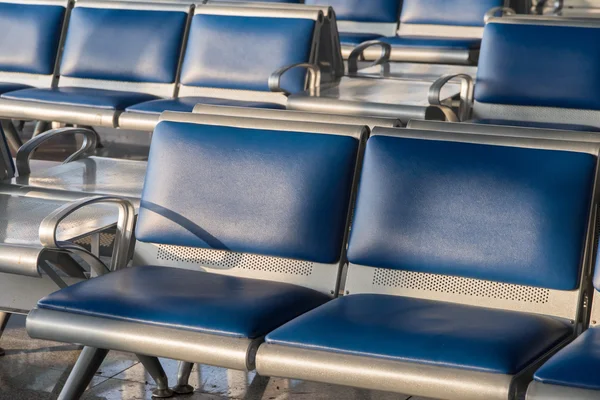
(362, 11)
(425, 332)
(444, 12)
(185, 299)
(497, 213)
(534, 124)
(30, 37)
(517, 68)
(123, 45)
(6, 87)
(354, 39)
(233, 52)
(576, 365)
(85, 97)
(186, 104)
(437, 42)
(275, 193)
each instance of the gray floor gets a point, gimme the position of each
(36, 370)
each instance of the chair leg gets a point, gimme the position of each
(41, 127)
(183, 377)
(12, 135)
(84, 370)
(156, 371)
(4, 317)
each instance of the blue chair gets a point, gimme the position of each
(437, 31)
(572, 373)
(524, 82)
(32, 36)
(230, 56)
(465, 265)
(262, 213)
(115, 55)
(361, 21)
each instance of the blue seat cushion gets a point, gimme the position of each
(6, 87)
(425, 332)
(354, 39)
(434, 42)
(576, 365)
(186, 104)
(85, 97)
(185, 299)
(541, 125)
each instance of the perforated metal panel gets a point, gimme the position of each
(461, 290)
(458, 285)
(320, 277)
(228, 259)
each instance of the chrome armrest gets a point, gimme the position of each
(123, 239)
(466, 94)
(314, 77)
(497, 12)
(359, 54)
(90, 140)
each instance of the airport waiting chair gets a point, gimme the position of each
(241, 56)
(361, 21)
(465, 268)
(262, 213)
(116, 54)
(572, 373)
(436, 31)
(521, 81)
(32, 33)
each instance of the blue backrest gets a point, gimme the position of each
(539, 65)
(363, 11)
(30, 37)
(133, 45)
(273, 193)
(241, 52)
(444, 12)
(505, 214)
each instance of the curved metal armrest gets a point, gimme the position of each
(497, 12)
(359, 54)
(466, 93)
(90, 140)
(123, 238)
(314, 77)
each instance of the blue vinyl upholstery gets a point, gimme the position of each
(274, 193)
(444, 12)
(30, 37)
(576, 365)
(123, 45)
(186, 104)
(363, 11)
(78, 96)
(517, 68)
(523, 222)
(6, 87)
(425, 332)
(433, 42)
(190, 300)
(354, 39)
(234, 52)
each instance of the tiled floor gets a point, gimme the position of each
(37, 370)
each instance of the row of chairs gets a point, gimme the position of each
(459, 280)
(103, 63)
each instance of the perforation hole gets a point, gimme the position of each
(459, 285)
(228, 260)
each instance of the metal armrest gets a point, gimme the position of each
(359, 54)
(90, 140)
(466, 94)
(123, 238)
(498, 12)
(314, 77)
